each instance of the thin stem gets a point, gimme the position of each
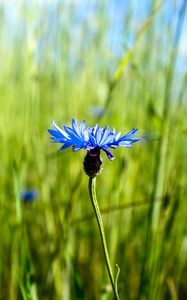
(92, 185)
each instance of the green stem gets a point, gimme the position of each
(92, 185)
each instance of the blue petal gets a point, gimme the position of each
(94, 129)
(60, 130)
(65, 146)
(57, 136)
(125, 144)
(92, 140)
(108, 153)
(73, 135)
(98, 135)
(54, 133)
(86, 134)
(105, 134)
(132, 132)
(117, 135)
(82, 126)
(75, 127)
(109, 139)
(128, 137)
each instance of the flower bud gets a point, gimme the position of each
(93, 163)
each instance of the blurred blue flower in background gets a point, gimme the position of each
(90, 138)
(29, 195)
(96, 111)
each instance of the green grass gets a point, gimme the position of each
(51, 249)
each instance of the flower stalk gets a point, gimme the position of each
(92, 192)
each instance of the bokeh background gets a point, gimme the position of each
(118, 63)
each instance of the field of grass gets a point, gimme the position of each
(117, 63)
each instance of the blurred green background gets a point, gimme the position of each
(118, 63)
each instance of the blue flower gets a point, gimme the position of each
(28, 195)
(92, 139)
(96, 111)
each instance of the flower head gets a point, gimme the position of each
(28, 195)
(93, 140)
(89, 138)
